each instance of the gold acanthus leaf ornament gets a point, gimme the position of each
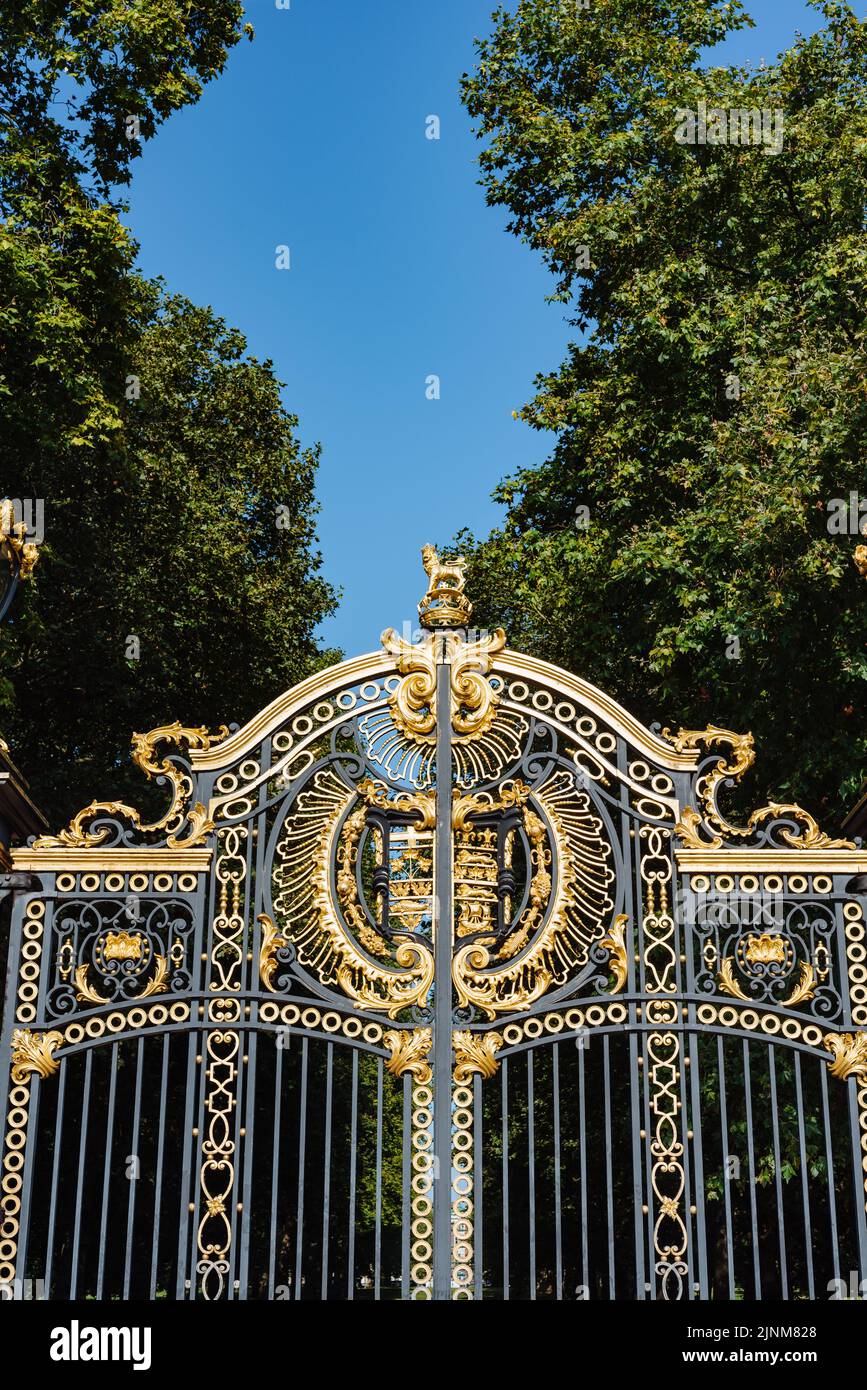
(409, 1052)
(180, 812)
(805, 988)
(475, 1052)
(850, 1055)
(726, 982)
(473, 701)
(732, 767)
(34, 1053)
(156, 985)
(272, 942)
(615, 943)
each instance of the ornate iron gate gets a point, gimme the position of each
(443, 977)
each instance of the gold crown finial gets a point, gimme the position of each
(445, 604)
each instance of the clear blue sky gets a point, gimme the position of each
(314, 137)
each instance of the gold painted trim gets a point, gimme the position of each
(112, 860)
(769, 860)
(574, 688)
(345, 673)
(373, 664)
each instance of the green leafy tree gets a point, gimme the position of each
(178, 576)
(199, 597)
(675, 548)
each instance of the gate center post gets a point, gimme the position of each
(443, 931)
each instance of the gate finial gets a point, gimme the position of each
(445, 604)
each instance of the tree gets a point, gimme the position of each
(188, 588)
(178, 576)
(682, 545)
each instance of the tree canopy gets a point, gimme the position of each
(178, 574)
(681, 545)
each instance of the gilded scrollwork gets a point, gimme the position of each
(155, 985)
(83, 833)
(311, 908)
(788, 966)
(730, 767)
(473, 699)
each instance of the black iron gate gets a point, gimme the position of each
(443, 977)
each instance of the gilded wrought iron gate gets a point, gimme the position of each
(443, 977)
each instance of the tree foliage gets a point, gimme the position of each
(178, 576)
(716, 402)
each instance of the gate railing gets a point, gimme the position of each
(443, 977)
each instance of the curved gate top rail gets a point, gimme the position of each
(435, 865)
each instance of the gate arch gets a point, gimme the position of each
(442, 977)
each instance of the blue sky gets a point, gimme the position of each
(314, 138)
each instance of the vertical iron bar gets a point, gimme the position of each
(353, 1169)
(302, 1145)
(130, 1209)
(158, 1175)
(245, 1142)
(505, 1185)
(778, 1175)
(106, 1170)
(190, 1111)
(751, 1153)
(377, 1244)
(79, 1187)
(727, 1190)
(531, 1170)
(55, 1175)
(582, 1150)
(609, 1167)
(637, 1190)
(275, 1160)
(698, 1167)
(805, 1178)
(558, 1213)
(443, 928)
(326, 1161)
(829, 1158)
